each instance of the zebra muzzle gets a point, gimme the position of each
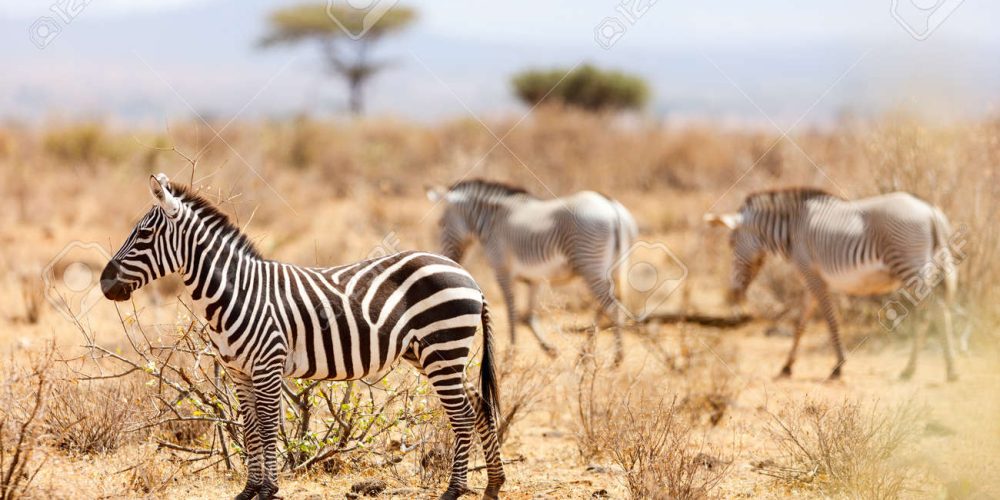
(112, 286)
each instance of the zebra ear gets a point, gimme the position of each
(730, 221)
(435, 193)
(158, 187)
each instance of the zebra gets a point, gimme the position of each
(869, 246)
(270, 319)
(530, 240)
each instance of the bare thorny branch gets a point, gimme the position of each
(188, 385)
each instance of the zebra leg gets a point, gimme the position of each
(587, 349)
(916, 345)
(819, 291)
(251, 439)
(619, 318)
(447, 378)
(267, 388)
(948, 342)
(507, 289)
(450, 389)
(601, 287)
(486, 426)
(532, 321)
(808, 307)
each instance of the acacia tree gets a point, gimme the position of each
(330, 26)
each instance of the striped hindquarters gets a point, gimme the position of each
(357, 320)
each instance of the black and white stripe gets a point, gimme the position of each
(532, 240)
(868, 246)
(270, 320)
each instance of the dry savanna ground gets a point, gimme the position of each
(127, 402)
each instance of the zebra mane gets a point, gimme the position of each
(485, 188)
(207, 210)
(780, 200)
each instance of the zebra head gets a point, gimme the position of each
(456, 235)
(150, 251)
(749, 251)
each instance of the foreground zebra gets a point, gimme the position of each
(863, 247)
(532, 240)
(268, 319)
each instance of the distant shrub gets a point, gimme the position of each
(85, 143)
(584, 87)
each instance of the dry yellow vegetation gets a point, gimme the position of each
(694, 412)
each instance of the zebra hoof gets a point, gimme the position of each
(550, 351)
(492, 492)
(834, 375)
(786, 372)
(617, 362)
(249, 492)
(952, 377)
(906, 375)
(452, 494)
(268, 492)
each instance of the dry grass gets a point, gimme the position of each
(91, 417)
(659, 453)
(632, 424)
(23, 397)
(151, 474)
(434, 445)
(33, 295)
(593, 410)
(349, 185)
(708, 377)
(522, 386)
(847, 448)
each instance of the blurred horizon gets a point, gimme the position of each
(148, 63)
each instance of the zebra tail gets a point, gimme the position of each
(487, 370)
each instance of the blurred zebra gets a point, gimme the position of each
(270, 320)
(868, 246)
(531, 240)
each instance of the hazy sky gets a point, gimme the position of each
(151, 61)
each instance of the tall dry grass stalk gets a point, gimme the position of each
(24, 394)
(630, 422)
(843, 449)
(94, 417)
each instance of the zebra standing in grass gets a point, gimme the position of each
(869, 246)
(532, 240)
(270, 320)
